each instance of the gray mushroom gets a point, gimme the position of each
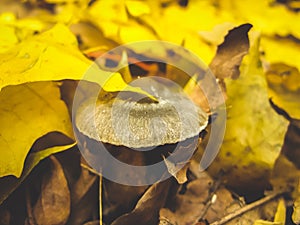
(134, 123)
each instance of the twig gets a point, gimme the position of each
(246, 208)
(100, 190)
(100, 200)
(209, 200)
(90, 169)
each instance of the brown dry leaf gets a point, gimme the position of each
(296, 213)
(284, 175)
(225, 64)
(259, 212)
(291, 148)
(95, 222)
(82, 198)
(9, 183)
(116, 205)
(181, 175)
(230, 53)
(5, 217)
(53, 205)
(178, 162)
(197, 203)
(147, 208)
(286, 171)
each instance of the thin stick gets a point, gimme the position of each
(90, 169)
(100, 190)
(100, 200)
(246, 208)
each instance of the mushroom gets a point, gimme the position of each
(136, 123)
(123, 124)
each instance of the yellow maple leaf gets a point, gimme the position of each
(27, 112)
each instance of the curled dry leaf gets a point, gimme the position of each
(147, 209)
(53, 205)
(225, 64)
(82, 198)
(230, 53)
(9, 184)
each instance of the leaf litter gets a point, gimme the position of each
(255, 178)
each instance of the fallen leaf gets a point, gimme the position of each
(230, 53)
(283, 20)
(296, 212)
(147, 208)
(286, 171)
(254, 131)
(108, 23)
(284, 88)
(8, 37)
(281, 50)
(137, 8)
(5, 217)
(38, 58)
(196, 203)
(28, 112)
(9, 184)
(53, 205)
(82, 198)
(254, 213)
(279, 218)
(280, 215)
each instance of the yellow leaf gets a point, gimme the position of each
(279, 218)
(108, 16)
(137, 8)
(9, 184)
(62, 1)
(28, 112)
(8, 37)
(280, 213)
(54, 55)
(264, 222)
(254, 131)
(284, 88)
(194, 43)
(266, 17)
(135, 32)
(281, 50)
(23, 27)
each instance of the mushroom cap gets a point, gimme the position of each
(135, 124)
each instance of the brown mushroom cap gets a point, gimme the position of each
(123, 122)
